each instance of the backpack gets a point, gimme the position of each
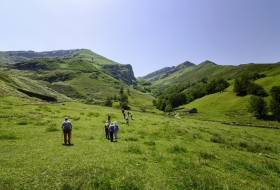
(66, 125)
(116, 127)
(111, 128)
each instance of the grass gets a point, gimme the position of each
(153, 152)
(212, 108)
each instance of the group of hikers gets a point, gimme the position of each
(111, 128)
(129, 114)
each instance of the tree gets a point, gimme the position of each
(124, 101)
(256, 89)
(257, 106)
(274, 105)
(124, 105)
(115, 97)
(240, 85)
(275, 93)
(108, 102)
(168, 108)
(163, 105)
(121, 90)
(177, 99)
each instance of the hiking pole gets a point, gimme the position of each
(62, 140)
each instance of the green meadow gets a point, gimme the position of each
(152, 152)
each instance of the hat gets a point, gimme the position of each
(66, 118)
(115, 122)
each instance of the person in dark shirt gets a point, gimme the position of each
(67, 129)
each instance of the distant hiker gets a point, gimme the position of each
(122, 110)
(111, 131)
(67, 128)
(127, 121)
(106, 127)
(130, 115)
(116, 130)
(109, 118)
(124, 115)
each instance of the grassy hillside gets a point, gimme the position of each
(81, 76)
(10, 85)
(226, 106)
(93, 87)
(212, 71)
(153, 152)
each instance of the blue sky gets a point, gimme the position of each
(148, 34)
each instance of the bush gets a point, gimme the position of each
(108, 102)
(256, 89)
(257, 106)
(274, 105)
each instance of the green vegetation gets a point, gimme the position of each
(156, 150)
(258, 107)
(275, 102)
(153, 152)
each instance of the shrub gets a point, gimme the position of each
(108, 102)
(256, 89)
(257, 106)
(217, 139)
(177, 149)
(206, 155)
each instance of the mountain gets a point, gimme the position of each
(73, 74)
(82, 75)
(22, 61)
(205, 70)
(11, 57)
(164, 72)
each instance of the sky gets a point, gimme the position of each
(147, 34)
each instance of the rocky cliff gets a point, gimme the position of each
(121, 72)
(11, 57)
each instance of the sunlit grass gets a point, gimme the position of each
(153, 152)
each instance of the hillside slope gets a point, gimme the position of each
(81, 76)
(19, 86)
(226, 106)
(210, 71)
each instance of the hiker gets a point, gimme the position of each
(122, 110)
(111, 131)
(127, 121)
(116, 130)
(130, 115)
(106, 127)
(67, 128)
(124, 115)
(109, 118)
